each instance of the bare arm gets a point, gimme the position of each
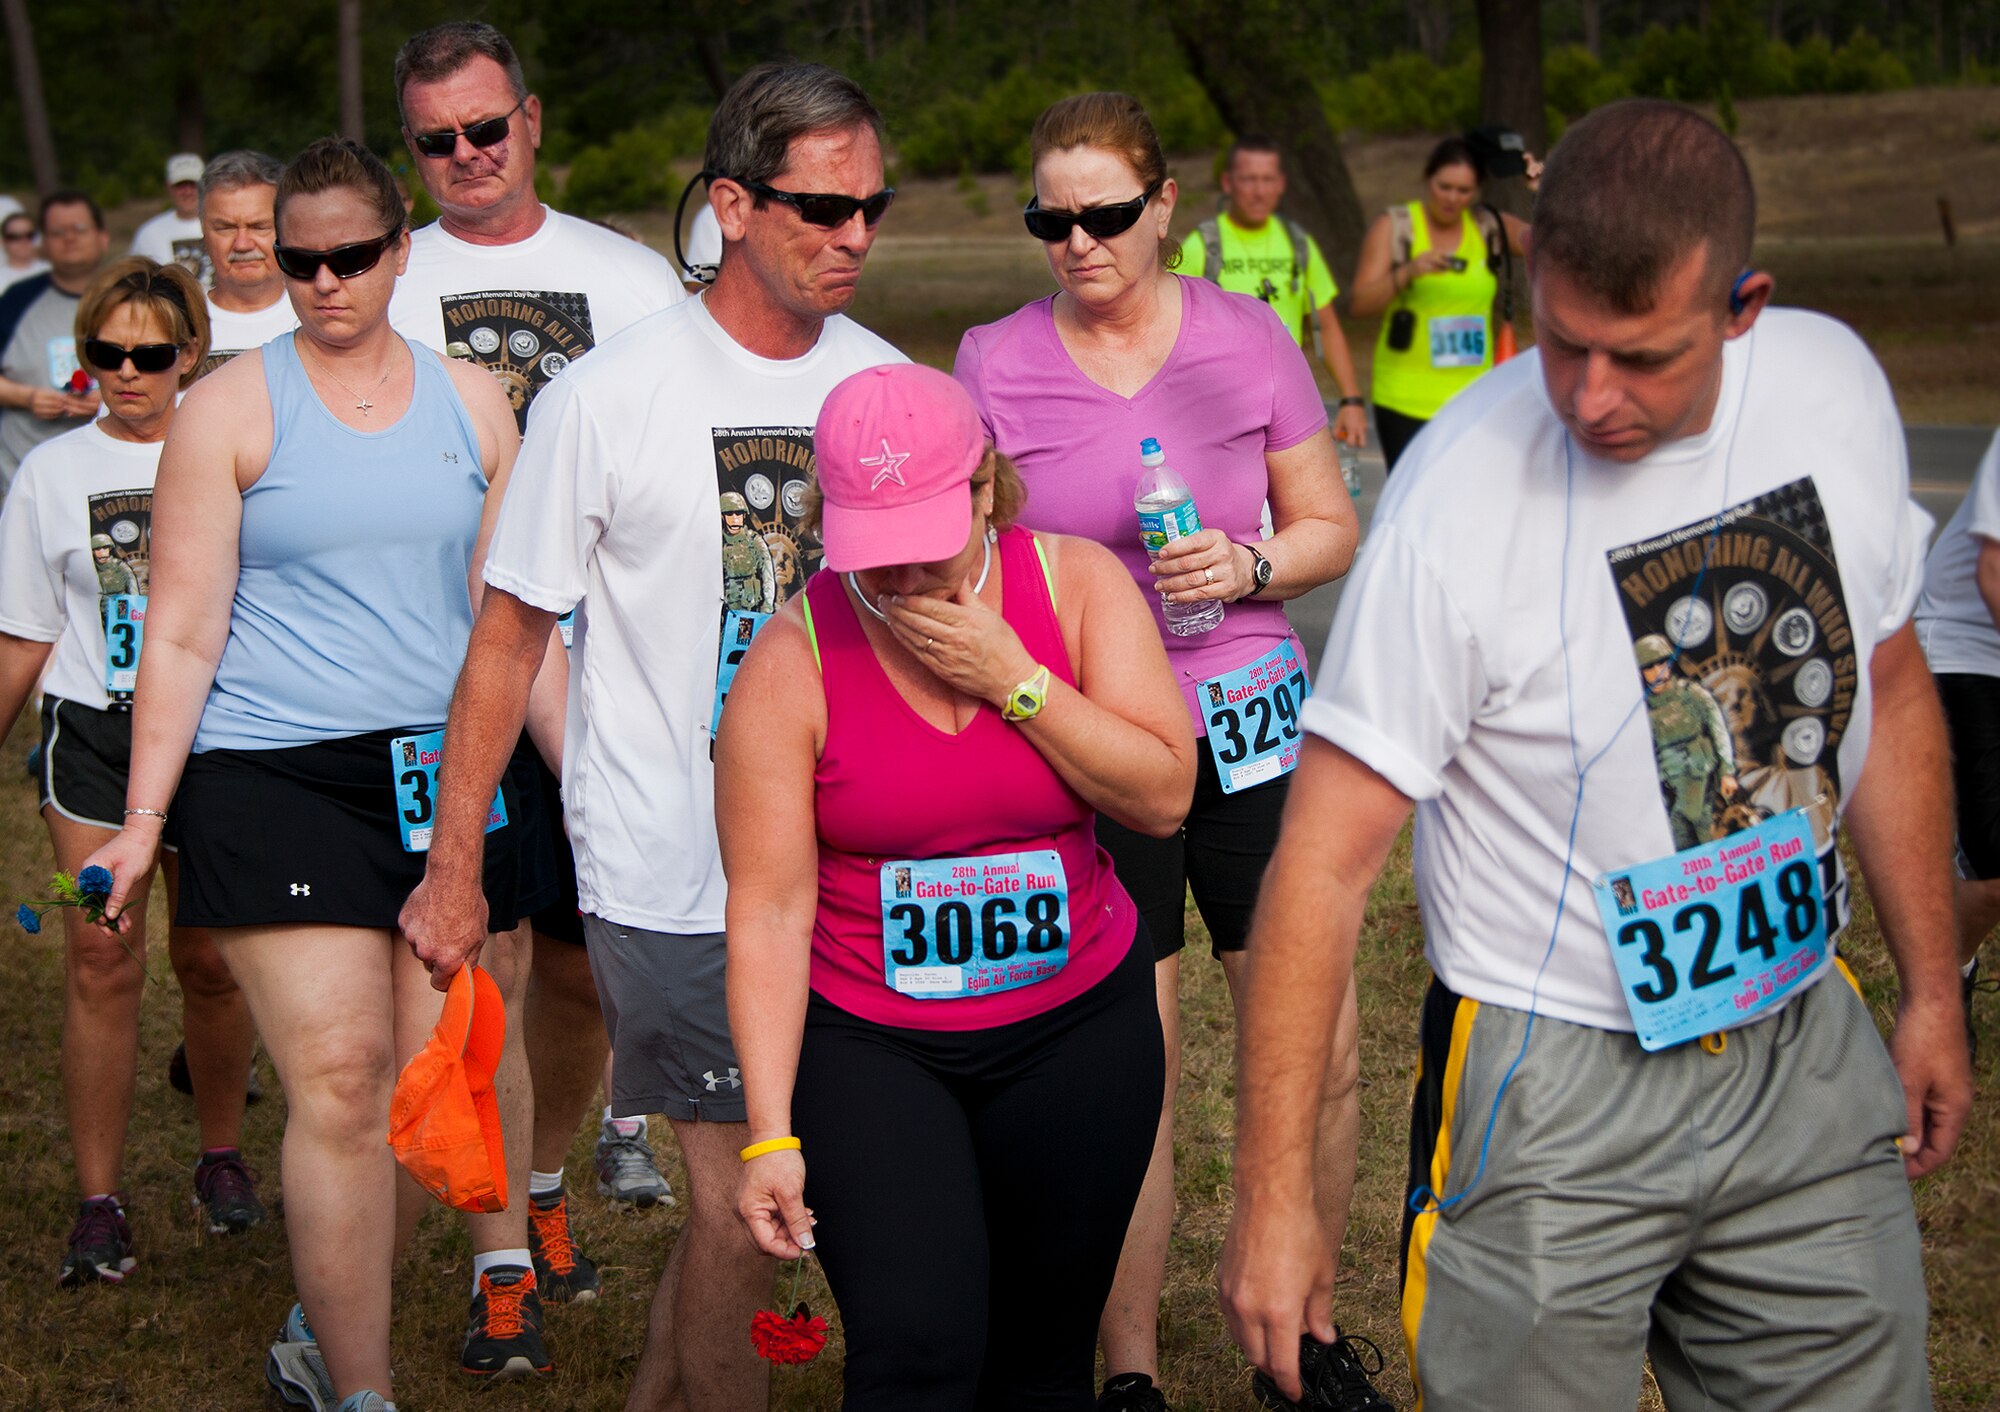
(1900, 820)
(21, 663)
(1121, 737)
(765, 751)
(1340, 821)
(1314, 533)
(1350, 424)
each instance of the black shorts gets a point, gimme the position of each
(1395, 432)
(86, 755)
(1220, 852)
(1972, 710)
(307, 834)
(547, 880)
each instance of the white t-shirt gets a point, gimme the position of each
(525, 311)
(614, 503)
(82, 484)
(1446, 668)
(230, 332)
(10, 275)
(170, 237)
(704, 240)
(1953, 622)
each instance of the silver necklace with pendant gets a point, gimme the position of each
(361, 404)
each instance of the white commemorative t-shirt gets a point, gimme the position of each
(526, 311)
(615, 504)
(54, 586)
(1953, 623)
(231, 332)
(171, 238)
(1466, 630)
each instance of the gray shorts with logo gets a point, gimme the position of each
(1739, 1211)
(665, 1011)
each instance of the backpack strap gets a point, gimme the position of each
(1210, 231)
(1402, 235)
(1493, 226)
(1301, 259)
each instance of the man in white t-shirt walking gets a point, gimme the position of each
(1653, 1117)
(247, 303)
(616, 506)
(174, 236)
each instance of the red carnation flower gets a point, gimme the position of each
(795, 1340)
(79, 382)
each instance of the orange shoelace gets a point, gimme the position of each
(551, 1225)
(503, 1304)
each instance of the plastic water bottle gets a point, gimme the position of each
(1166, 512)
(1350, 468)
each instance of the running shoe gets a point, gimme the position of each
(181, 1080)
(100, 1245)
(295, 1369)
(226, 1192)
(504, 1340)
(1334, 1378)
(626, 1171)
(562, 1272)
(1131, 1392)
(366, 1400)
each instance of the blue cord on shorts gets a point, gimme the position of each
(1423, 1201)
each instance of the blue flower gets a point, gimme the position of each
(30, 920)
(94, 882)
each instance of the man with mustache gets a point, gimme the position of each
(247, 307)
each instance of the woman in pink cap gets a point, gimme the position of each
(937, 986)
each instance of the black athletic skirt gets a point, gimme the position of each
(308, 834)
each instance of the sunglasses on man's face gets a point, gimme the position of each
(827, 209)
(480, 134)
(109, 357)
(1098, 222)
(346, 261)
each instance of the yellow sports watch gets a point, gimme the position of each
(1025, 701)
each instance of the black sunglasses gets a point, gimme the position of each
(1098, 222)
(109, 357)
(826, 209)
(481, 134)
(346, 261)
(26, 233)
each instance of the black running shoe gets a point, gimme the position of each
(504, 1340)
(100, 1245)
(1131, 1392)
(226, 1192)
(562, 1272)
(1334, 1378)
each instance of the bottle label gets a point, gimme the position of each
(1158, 527)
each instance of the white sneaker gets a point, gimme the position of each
(626, 1171)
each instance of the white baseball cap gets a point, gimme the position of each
(184, 166)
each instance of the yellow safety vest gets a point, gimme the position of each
(1451, 342)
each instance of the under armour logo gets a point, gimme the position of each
(890, 463)
(451, 456)
(302, 890)
(728, 1080)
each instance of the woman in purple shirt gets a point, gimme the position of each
(1068, 387)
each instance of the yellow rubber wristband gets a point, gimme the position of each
(775, 1144)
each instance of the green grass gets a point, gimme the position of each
(190, 1326)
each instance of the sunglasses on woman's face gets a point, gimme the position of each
(827, 209)
(1098, 222)
(480, 134)
(109, 357)
(346, 261)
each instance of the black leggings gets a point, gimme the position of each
(972, 1190)
(1397, 432)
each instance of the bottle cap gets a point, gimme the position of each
(1149, 447)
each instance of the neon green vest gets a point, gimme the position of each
(1452, 341)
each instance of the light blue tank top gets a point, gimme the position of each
(351, 611)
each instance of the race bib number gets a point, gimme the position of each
(1458, 342)
(1717, 935)
(1253, 718)
(124, 636)
(740, 627)
(415, 759)
(958, 927)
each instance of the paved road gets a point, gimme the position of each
(1942, 460)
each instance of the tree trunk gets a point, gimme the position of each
(1432, 21)
(708, 47)
(1593, 28)
(351, 125)
(1247, 57)
(28, 88)
(1510, 83)
(1777, 21)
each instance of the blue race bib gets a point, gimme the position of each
(1458, 342)
(1253, 718)
(1715, 936)
(124, 636)
(958, 927)
(414, 760)
(740, 627)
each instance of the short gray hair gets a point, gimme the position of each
(751, 134)
(234, 170)
(442, 50)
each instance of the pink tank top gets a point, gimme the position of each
(960, 881)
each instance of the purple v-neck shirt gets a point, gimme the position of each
(1235, 387)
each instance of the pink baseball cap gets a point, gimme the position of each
(897, 446)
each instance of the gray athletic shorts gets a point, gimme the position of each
(668, 1021)
(1738, 1211)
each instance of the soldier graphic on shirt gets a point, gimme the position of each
(1691, 740)
(748, 580)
